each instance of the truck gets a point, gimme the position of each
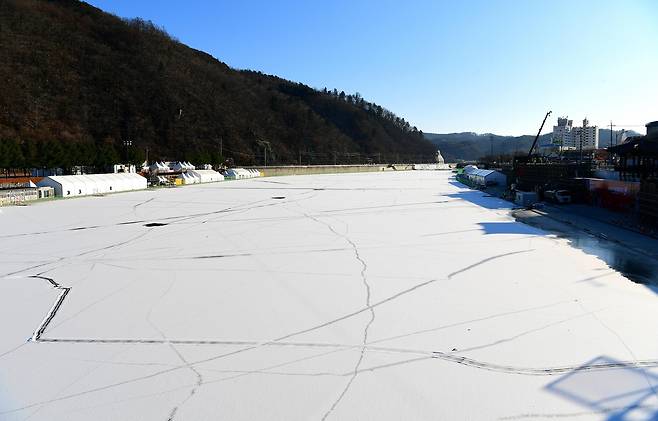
(557, 196)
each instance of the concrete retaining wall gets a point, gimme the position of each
(328, 169)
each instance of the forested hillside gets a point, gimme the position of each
(78, 82)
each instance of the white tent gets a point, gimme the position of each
(469, 169)
(188, 179)
(206, 176)
(88, 184)
(487, 177)
(159, 167)
(181, 166)
(233, 173)
(240, 173)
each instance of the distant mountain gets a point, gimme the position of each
(604, 137)
(76, 83)
(468, 146)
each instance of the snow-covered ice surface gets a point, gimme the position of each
(396, 295)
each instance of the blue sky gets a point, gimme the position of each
(483, 66)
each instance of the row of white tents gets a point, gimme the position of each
(181, 166)
(157, 167)
(89, 184)
(167, 167)
(431, 167)
(241, 173)
(201, 176)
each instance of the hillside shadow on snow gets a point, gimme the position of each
(478, 197)
(509, 228)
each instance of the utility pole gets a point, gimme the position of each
(266, 145)
(580, 136)
(611, 126)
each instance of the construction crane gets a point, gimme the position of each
(538, 133)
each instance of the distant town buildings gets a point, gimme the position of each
(573, 138)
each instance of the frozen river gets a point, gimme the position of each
(393, 295)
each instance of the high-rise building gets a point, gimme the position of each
(562, 132)
(573, 138)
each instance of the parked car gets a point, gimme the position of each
(557, 196)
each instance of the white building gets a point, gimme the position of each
(562, 132)
(89, 184)
(573, 138)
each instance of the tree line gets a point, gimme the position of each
(377, 110)
(26, 154)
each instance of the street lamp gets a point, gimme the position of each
(127, 143)
(266, 146)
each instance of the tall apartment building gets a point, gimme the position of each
(562, 132)
(570, 137)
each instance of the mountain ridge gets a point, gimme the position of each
(471, 146)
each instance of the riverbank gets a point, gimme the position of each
(596, 231)
(633, 254)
